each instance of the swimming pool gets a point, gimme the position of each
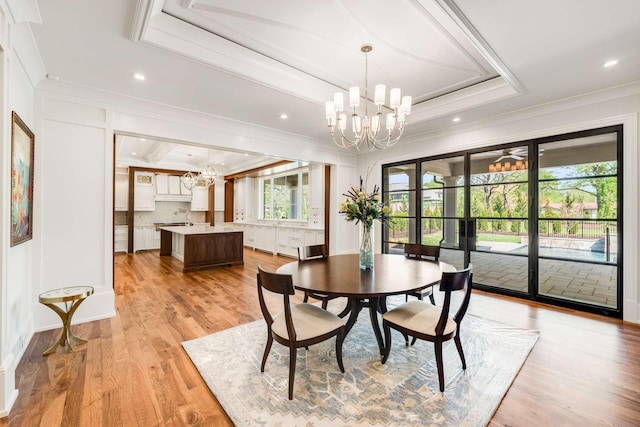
(558, 252)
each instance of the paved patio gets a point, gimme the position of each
(591, 283)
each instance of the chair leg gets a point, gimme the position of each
(267, 349)
(406, 339)
(440, 364)
(346, 311)
(413, 341)
(387, 341)
(293, 352)
(339, 341)
(306, 297)
(324, 303)
(432, 299)
(456, 339)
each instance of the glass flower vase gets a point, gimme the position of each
(366, 246)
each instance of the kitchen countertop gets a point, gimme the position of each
(199, 229)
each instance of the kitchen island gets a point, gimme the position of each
(202, 246)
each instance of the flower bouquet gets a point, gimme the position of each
(364, 208)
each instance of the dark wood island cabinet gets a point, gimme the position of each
(201, 246)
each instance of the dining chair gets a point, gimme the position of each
(298, 325)
(315, 252)
(432, 323)
(425, 253)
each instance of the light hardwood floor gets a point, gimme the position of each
(584, 370)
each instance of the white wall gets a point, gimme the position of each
(618, 106)
(19, 70)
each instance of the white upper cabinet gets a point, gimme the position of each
(218, 200)
(144, 197)
(200, 199)
(175, 185)
(121, 202)
(162, 184)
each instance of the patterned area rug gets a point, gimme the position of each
(402, 392)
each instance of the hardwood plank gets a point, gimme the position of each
(585, 369)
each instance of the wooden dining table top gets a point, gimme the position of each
(341, 275)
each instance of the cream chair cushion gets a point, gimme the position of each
(419, 316)
(309, 321)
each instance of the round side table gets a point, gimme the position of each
(72, 297)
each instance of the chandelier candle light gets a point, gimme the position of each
(206, 178)
(365, 129)
(364, 208)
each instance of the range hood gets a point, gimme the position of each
(173, 198)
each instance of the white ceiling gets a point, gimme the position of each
(251, 61)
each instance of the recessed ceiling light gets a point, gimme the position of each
(455, 119)
(138, 76)
(610, 63)
(284, 116)
(246, 154)
(222, 163)
(142, 139)
(133, 154)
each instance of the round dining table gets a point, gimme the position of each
(340, 275)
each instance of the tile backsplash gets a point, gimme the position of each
(168, 212)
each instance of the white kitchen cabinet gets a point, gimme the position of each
(175, 185)
(289, 239)
(144, 197)
(219, 196)
(313, 237)
(120, 238)
(121, 202)
(162, 184)
(200, 199)
(145, 238)
(243, 200)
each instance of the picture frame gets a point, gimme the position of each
(22, 165)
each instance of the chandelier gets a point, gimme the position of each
(365, 130)
(510, 160)
(508, 166)
(206, 177)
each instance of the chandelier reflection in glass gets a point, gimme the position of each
(507, 166)
(365, 130)
(206, 177)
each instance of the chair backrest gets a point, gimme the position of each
(280, 284)
(450, 282)
(312, 252)
(426, 252)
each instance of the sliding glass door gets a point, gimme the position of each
(578, 224)
(499, 218)
(538, 219)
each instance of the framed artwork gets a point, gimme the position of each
(22, 143)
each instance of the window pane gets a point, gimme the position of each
(579, 198)
(280, 198)
(266, 198)
(402, 230)
(401, 177)
(447, 172)
(305, 195)
(581, 157)
(500, 200)
(401, 203)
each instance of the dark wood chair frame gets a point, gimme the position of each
(315, 252)
(283, 285)
(429, 253)
(450, 282)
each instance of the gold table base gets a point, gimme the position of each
(75, 295)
